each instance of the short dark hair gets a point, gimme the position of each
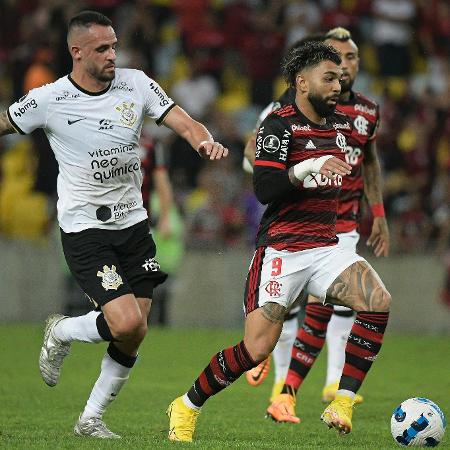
(88, 18)
(339, 34)
(305, 56)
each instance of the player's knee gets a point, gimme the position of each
(380, 301)
(129, 327)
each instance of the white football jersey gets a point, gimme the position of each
(95, 140)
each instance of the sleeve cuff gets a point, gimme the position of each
(15, 126)
(164, 114)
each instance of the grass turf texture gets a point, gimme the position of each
(34, 416)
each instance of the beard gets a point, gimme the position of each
(320, 105)
(102, 75)
(346, 86)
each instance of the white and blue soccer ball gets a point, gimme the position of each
(418, 422)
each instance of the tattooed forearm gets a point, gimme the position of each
(359, 287)
(273, 312)
(5, 125)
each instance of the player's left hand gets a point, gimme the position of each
(164, 227)
(212, 150)
(379, 238)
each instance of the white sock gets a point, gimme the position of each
(346, 393)
(112, 377)
(337, 334)
(81, 329)
(282, 351)
(189, 404)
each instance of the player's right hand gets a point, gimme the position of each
(212, 150)
(335, 166)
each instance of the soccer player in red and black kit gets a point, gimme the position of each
(298, 172)
(365, 179)
(360, 153)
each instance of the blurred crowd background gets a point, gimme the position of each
(220, 60)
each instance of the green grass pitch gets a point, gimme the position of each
(34, 416)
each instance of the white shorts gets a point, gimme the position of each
(348, 240)
(278, 276)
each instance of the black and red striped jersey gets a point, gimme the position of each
(152, 158)
(365, 116)
(305, 217)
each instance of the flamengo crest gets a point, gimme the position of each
(110, 278)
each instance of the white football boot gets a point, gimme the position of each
(53, 352)
(93, 427)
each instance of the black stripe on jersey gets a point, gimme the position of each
(16, 127)
(289, 238)
(350, 216)
(299, 215)
(164, 114)
(325, 194)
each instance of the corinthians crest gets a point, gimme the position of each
(110, 278)
(127, 116)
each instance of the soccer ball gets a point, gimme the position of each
(418, 422)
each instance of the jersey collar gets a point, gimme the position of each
(85, 91)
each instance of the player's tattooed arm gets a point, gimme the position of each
(360, 288)
(274, 312)
(5, 124)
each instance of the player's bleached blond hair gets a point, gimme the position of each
(339, 34)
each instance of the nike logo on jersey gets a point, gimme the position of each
(71, 122)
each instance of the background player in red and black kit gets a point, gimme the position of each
(364, 179)
(156, 178)
(298, 171)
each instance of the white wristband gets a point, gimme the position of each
(312, 165)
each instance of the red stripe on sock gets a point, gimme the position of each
(352, 371)
(293, 379)
(373, 336)
(205, 386)
(359, 352)
(311, 339)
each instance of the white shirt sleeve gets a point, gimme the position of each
(156, 102)
(30, 112)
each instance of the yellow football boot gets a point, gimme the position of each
(182, 420)
(338, 414)
(329, 394)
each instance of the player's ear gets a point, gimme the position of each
(75, 52)
(300, 83)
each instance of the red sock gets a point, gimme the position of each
(363, 345)
(224, 368)
(307, 345)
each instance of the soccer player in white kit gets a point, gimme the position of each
(93, 119)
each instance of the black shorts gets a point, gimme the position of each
(111, 263)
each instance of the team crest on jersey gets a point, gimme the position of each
(110, 278)
(341, 141)
(273, 288)
(361, 124)
(127, 116)
(271, 143)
